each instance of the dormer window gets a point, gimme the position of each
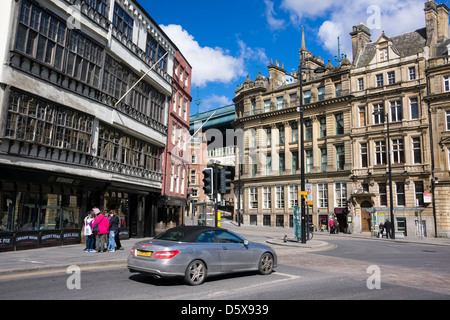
(384, 56)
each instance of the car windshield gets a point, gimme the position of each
(171, 235)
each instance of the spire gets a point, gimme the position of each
(198, 101)
(303, 48)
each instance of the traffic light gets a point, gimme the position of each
(208, 181)
(225, 180)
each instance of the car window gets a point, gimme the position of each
(171, 235)
(226, 237)
(207, 237)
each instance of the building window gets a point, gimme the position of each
(417, 154)
(281, 164)
(84, 60)
(280, 103)
(307, 96)
(447, 83)
(279, 197)
(340, 157)
(281, 134)
(323, 127)
(364, 162)
(383, 194)
(414, 105)
(101, 6)
(340, 194)
(362, 116)
(268, 165)
(268, 133)
(360, 84)
(294, 162)
(447, 120)
(309, 162)
(380, 152)
(391, 77)
(123, 22)
(400, 186)
(418, 190)
(253, 107)
(384, 55)
(321, 93)
(294, 128)
(378, 116)
(292, 99)
(396, 111)
(398, 152)
(267, 203)
(322, 195)
(412, 73)
(40, 35)
(266, 105)
(308, 130)
(323, 159)
(253, 197)
(293, 196)
(338, 89)
(379, 80)
(339, 123)
(37, 121)
(254, 169)
(193, 176)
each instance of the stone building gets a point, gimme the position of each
(392, 80)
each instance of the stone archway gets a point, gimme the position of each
(365, 216)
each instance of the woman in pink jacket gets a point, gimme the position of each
(103, 228)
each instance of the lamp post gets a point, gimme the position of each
(389, 152)
(301, 68)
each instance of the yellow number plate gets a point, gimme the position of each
(144, 253)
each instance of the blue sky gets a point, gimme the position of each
(224, 41)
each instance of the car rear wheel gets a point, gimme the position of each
(266, 264)
(195, 273)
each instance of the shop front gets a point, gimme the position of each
(39, 208)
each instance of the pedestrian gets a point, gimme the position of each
(113, 230)
(88, 224)
(388, 227)
(336, 225)
(101, 228)
(330, 223)
(380, 230)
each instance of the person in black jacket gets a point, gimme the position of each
(113, 230)
(388, 228)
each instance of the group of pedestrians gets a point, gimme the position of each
(334, 225)
(387, 225)
(102, 231)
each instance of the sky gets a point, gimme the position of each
(226, 41)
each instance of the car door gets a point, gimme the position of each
(234, 255)
(209, 250)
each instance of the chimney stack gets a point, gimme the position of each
(360, 37)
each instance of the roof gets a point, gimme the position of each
(407, 44)
(188, 233)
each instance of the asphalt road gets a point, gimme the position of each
(354, 270)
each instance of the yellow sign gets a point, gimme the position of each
(309, 203)
(303, 193)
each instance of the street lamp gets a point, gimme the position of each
(389, 152)
(301, 68)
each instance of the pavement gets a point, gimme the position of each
(42, 260)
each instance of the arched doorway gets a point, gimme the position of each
(365, 216)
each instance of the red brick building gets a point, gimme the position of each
(177, 156)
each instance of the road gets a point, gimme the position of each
(356, 269)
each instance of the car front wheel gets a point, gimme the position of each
(195, 273)
(266, 264)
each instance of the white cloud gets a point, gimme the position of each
(213, 65)
(340, 16)
(274, 24)
(215, 101)
(208, 64)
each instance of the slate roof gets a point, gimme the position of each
(406, 44)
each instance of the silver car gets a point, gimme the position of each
(195, 252)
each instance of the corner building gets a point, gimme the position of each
(75, 132)
(401, 79)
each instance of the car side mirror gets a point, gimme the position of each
(245, 242)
